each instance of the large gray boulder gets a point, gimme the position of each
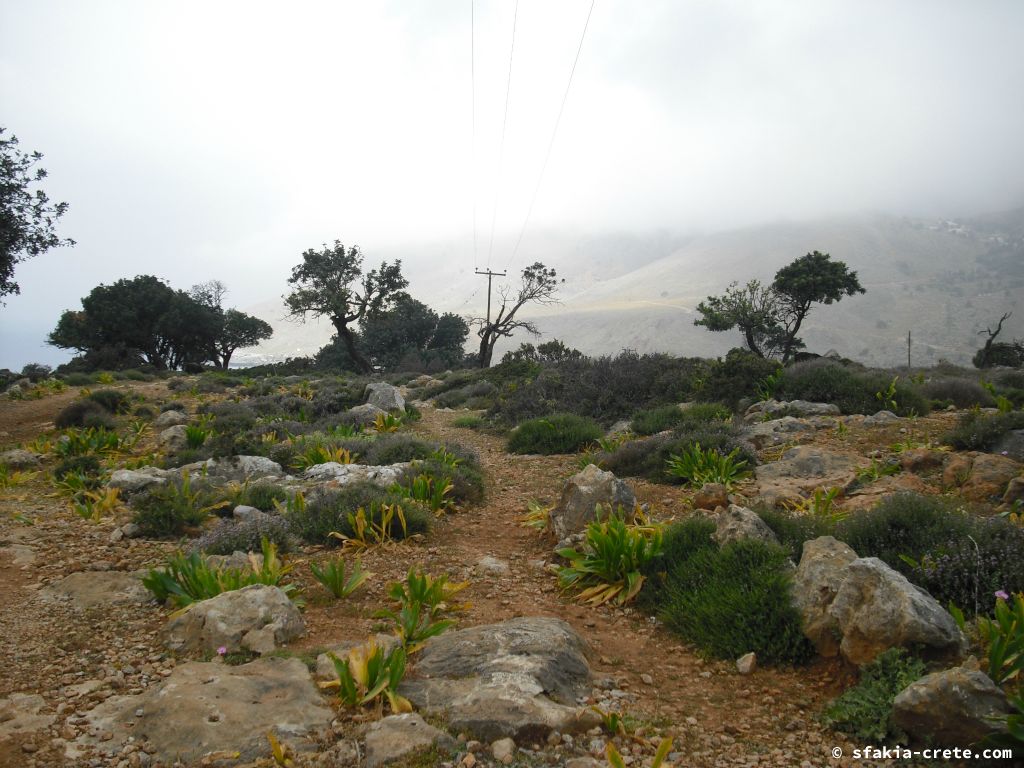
(210, 707)
(170, 418)
(582, 493)
(821, 572)
(953, 708)
(257, 618)
(776, 431)
(385, 396)
(343, 474)
(19, 459)
(394, 737)
(173, 438)
(521, 678)
(737, 523)
(876, 608)
(364, 415)
(773, 409)
(243, 468)
(137, 480)
(89, 589)
(803, 469)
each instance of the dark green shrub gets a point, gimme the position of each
(680, 542)
(794, 528)
(168, 510)
(79, 379)
(36, 372)
(648, 458)
(230, 418)
(144, 412)
(558, 433)
(87, 464)
(735, 378)
(466, 479)
(982, 431)
(395, 448)
(263, 495)
(907, 524)
(178, 383)
(961, 392)
(99, 420)
(112, 400)
(245, 536)
(854, 391)
(75, 414)
(135, 375)
(673, 417)
(865, 711)
(733, 600)
(329, 512)
(174, 405)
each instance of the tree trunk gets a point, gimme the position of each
(486, 349)
(350, 345)
(752, 344)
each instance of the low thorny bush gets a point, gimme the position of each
(329, 512)
(558, 433)
(230, 536)
(649, 457)
(852, 390)
(977, 431)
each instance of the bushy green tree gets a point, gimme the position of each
(330, 283)
(412, 334)
(553, 351)
(770, 317)
(27, 219)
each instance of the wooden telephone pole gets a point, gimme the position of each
(490, 276)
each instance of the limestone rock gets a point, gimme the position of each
(773, 409)
(243, 468)
(256, 618)
(521, 678)
(881, 419)
(921, 459)
(776, 431)
(88, 589)
(956, 707)
(876, 608)
(738, 523)
(580, 495)
(22, 713)
(1014, 491)
(173, 438)
(803, 469)
(136, 480)
(746, 663)
(364, 415)
(711, 496)
(170, 419)
(343, 474)
(208, 707)
(1011, 445)
(396, 736)
(817, 580)
(385, 396)
(19, 459)
(491, 566)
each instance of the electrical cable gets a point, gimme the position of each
(504, 125)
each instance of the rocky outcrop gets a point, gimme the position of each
(953, 708)
(521, 678)
(170, 419)
(257, 618)
(203, 708)
(173, 438)
(776, 431)
(711, 496)
(817, 580)
(19, 459)
(137, 480)
(364, 415)
(242, 468)
(343, 474)
(396, 736)
(88, 589)
(738, 523)
(582, 493)
(774, 409)
(881, 419)
(385, 396)
(803, 469)
(876, 608)
(979, 476)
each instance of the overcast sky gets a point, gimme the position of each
(201, 140)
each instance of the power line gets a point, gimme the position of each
(554, 133)
(504, 124)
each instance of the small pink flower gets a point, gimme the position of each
(1001, 595)
(224, 649)
(1005, 453)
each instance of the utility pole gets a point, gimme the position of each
(908, 351)
(490, 276)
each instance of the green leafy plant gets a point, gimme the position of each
(11, 478)
(86, 440)
(93, 505)
(373, 530)
(698, 466)
(877, 470)
(887, 396)
(432, 491)
(610, 567)
(334, 576)
(1003, 637)
(615, 759)
(768, 386)
(186, 579)
(537, 516)
(420, 600)
(820, 504)
(387, 422)
(167, 510)
(314, 454)
(195, 435)
(865, 710)
(368, 673)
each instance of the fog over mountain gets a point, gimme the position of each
(650, 152)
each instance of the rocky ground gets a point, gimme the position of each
(78, 634)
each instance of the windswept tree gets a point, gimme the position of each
(770, 317)
(330, 283)
(1010, 354)
(235, 330)
(27, 219)
(538, 285)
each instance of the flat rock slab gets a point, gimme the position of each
(803, 469)
(396, 736)
(206, 707)
(22, 713)
(343, 474)
(88, 589)
(520, 678)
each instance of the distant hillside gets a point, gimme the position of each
(944, 281)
